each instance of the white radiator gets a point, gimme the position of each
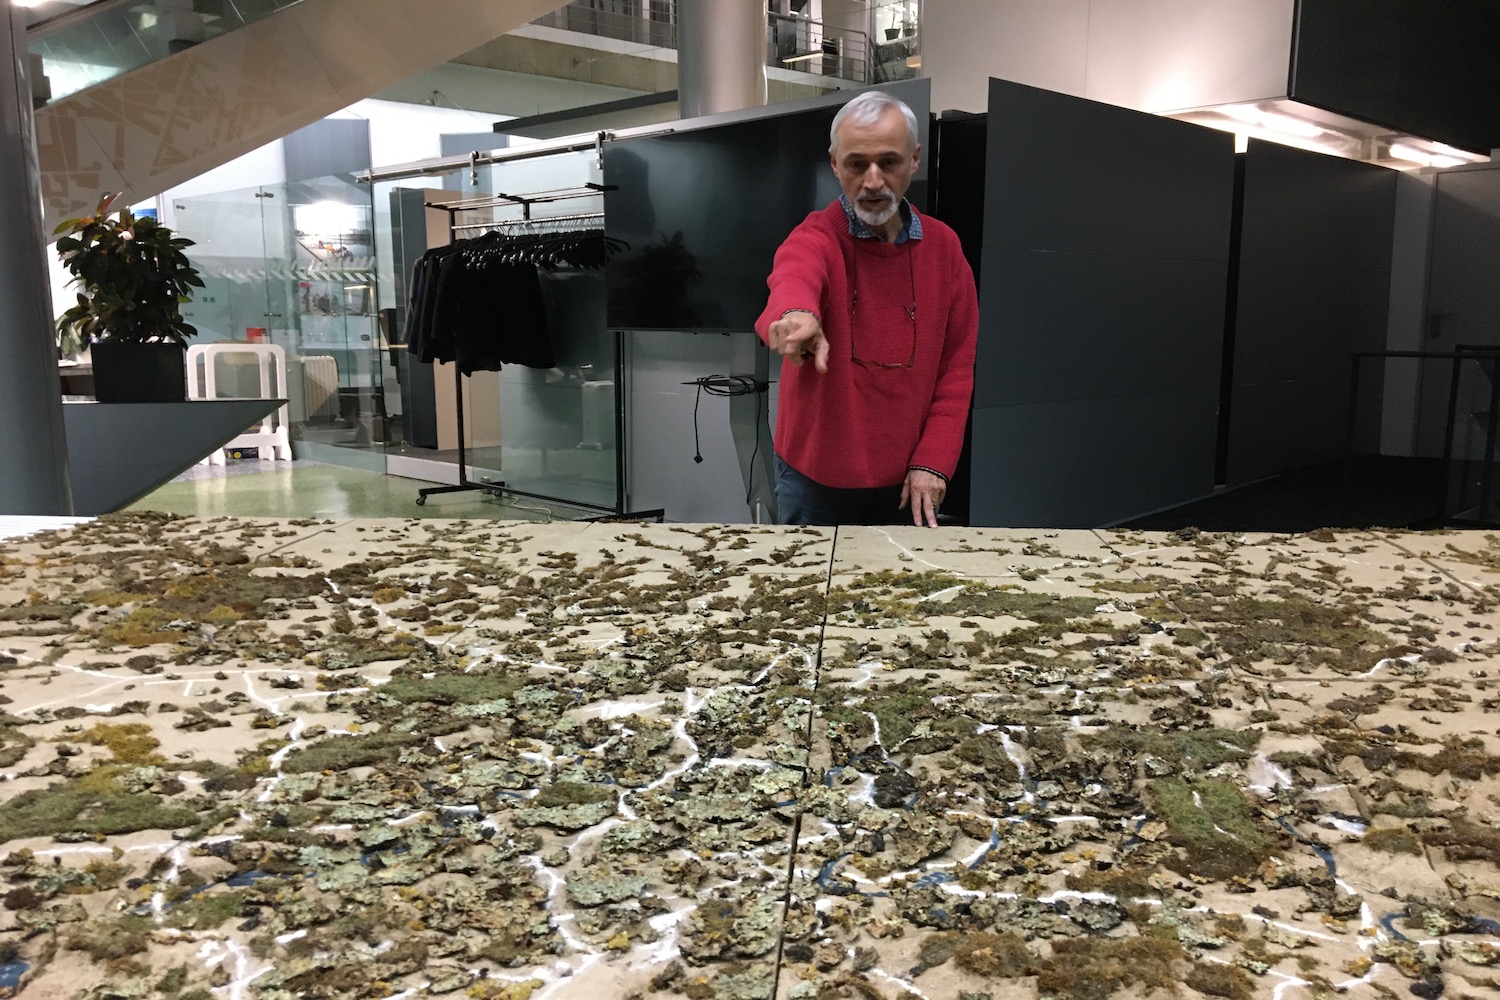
(320, 386)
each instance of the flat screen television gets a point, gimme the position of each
(703, 212)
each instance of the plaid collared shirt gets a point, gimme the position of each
(911, 223)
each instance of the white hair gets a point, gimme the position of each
(865, 108)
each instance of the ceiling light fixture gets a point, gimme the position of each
(1273, 121)
(802, 58)
(1289, 123)
(1409, 153)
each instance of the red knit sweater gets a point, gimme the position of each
(859, 425)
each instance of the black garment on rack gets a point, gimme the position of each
(422, 304)
(479, 302)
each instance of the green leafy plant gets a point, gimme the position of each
(133, 278)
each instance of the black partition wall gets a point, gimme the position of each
(1314, 285)
(1103, 288)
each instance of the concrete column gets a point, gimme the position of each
(721, 56)
(33, 452)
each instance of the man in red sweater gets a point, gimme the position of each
(874, 313)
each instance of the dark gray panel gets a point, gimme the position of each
(1314, 285)
(110, 467)
(1092, 462)
(1464, 293)
(418, 393)
(1290, 319)
(1463, 297)
(1103, 292)
(1071, 326)
(1311, 208)
(1284, 425)
(330, 146)
(1071, 174)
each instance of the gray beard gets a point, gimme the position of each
(880, 218)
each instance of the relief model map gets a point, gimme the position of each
(255, 759)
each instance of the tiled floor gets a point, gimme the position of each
(345, 757)
(308, 489)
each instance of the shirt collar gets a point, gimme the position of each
(911, 222)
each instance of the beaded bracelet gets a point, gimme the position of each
(923, 468)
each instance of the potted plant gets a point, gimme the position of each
(133, 278)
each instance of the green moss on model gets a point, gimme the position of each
(1184, 750)
(451, 689)
(1212, 822)
(91, 804)
(340, 753)
(206, 910)
(1393, 840)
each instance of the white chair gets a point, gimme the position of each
(270, 437)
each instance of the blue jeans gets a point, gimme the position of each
(800, 500)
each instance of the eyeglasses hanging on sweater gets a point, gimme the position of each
(478, 302)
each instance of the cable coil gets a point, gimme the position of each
(730, 385)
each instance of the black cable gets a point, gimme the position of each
(730, 385)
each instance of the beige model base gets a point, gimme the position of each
(257, 758)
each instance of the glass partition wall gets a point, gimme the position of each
(322, 267)
(548, 435)
(292, 264)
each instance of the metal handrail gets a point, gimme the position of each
(655, 26)
(474, 160)
(847, 51)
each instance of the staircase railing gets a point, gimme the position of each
(102, 40)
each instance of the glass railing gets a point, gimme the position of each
(792, 42)
(550, 433)
(652, 24)
(817, 47)
(81, 46)
(293, 264)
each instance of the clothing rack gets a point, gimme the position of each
(535, 225)
(454, 208)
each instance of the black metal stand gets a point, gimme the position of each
(618, 511)
(463, 461)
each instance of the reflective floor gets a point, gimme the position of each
(309, 489)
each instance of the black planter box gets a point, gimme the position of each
(139, 373)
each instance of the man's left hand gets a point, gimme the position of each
(925, 492)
